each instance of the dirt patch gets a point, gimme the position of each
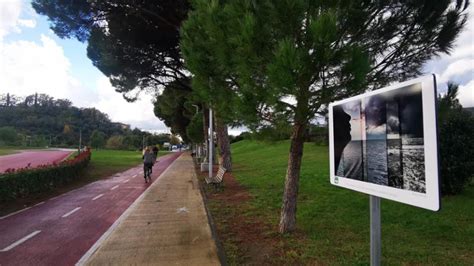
(230, 192)
(247, 238)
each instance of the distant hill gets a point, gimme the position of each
(54, 120)
(470, 109)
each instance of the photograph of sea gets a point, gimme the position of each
(379, 139)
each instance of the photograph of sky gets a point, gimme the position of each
(385, 145)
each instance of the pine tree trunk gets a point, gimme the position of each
(225, 156)
(288, 210)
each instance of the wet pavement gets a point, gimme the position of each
(167, 225)
(61, 230)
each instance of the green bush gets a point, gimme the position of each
(20, 183)
(456, 132)
(116, 143)
(273, 133)
(8, 136)
(318, 135)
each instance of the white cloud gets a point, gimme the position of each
(29, 23)
(10, 11)
(137, 114)
(27, 67)
(466, 94)
(459, 65)
(457, 68)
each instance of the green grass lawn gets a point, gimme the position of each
(7, 150)
(335, 221)
(108, 162)
(105, 163)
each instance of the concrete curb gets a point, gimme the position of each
(219, 246)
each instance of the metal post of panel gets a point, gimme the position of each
(375, 232)
(211, 144)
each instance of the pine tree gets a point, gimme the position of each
(292, 58)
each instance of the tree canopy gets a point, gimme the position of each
(170, 106)
(135, 44)
(291, 58)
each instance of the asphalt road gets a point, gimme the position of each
(61, 230)
(33, 157)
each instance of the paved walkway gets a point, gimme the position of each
(59, 231)
(167, 225)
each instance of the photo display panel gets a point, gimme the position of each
(384, 143)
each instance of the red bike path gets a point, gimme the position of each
(62, 229)
(34, 158)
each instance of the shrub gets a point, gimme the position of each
(273, 133)
(116, 143)
(18, 183)
(8, 136)
(318, 134)
(456, 143)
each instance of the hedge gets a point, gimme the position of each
(19, 183)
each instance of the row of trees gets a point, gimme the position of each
(55, 120)
(257, 63)
(41, 120)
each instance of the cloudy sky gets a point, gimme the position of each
(33, 59)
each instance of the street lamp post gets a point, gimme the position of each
(211, 143)
(198, 148)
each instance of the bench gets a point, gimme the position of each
(218, 178)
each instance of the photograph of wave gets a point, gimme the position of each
(379, 139)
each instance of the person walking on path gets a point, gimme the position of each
(155, 151)
(148, 160)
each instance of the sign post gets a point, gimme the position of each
(383, 143)
(375, 232)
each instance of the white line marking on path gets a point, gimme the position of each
(20, 241)
(98, 196)
(71, 212)
(13, 213)
(126, 181)
(122, 217)
(114, 187)
(39, 203)
(134, 176)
